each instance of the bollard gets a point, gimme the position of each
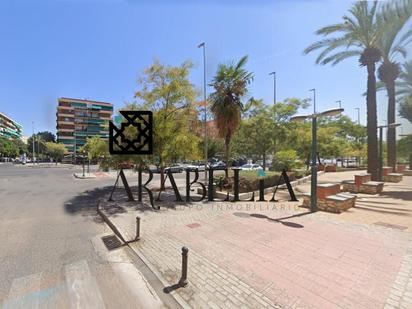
(137, 228)
(183, 280)
(262, 190)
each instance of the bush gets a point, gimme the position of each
(249, 180)
(286, 159)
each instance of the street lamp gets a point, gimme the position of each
(357, 108)
(314, 116)
(274, 86)
(391, 125)
(340, 103)
(203, 45)
(33, 141)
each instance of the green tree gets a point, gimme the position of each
(215, 146)
(230, 88)
(404, 86)
(40, 139)
(8, 148)
(255, 135)
(392, 45)
(55, 150)
(167, 91)
(360, 34)
(405, 109)
(96, 148)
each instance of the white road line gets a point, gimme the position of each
(82, 287)
(24, 293)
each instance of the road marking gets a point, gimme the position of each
(82, 287)
(24, 292)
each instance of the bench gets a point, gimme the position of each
(362, 184)
(386, 170)
(407, 172)
(335, 203)
(400, 168)
(371, 187)
(393, 177)
(325, 189)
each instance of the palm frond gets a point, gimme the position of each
(340, 56)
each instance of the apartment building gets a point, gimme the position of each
(79, 119)
(9, 128)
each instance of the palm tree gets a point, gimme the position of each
(230, 84)
(393, 18)
(359, 36)
(404, 86)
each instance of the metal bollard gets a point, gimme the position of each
(183, 280)
(137, 228)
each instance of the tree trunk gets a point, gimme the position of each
(162, 175)
(372, 123)
(227, 152)
(391, 137)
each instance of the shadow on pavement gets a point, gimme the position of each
(401, 195)
(397, 213)
(87, 201)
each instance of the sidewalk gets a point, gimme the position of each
(261, 255)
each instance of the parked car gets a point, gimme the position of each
(251, 167)
(175, 168)
(219, 165)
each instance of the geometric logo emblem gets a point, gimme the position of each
(135, 135)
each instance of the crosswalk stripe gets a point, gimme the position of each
(24, 293)
(82, 288)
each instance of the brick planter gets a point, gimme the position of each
(392, 177)
(349, 186)
(323, 190)
(386, 170)
(333, 203)
(361, 179)
(371, 187)
(401, 168)
(407, 172)
(330, 168)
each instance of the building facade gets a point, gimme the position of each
(9, 128)
(79, 119)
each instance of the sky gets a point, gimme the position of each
(97, 49)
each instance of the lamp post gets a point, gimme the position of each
(339, 102)
(380, 128)
(203, 45)
(314, 116)
(274, 86)
(33, 141)
(358, 109)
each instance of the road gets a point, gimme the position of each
(51, 252)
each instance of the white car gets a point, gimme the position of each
(251, 167)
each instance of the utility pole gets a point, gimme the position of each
(314, 169)
(274, 86)
(32, 141)
(203, 44)
(340, 103)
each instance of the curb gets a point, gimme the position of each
(140, 255)
(80, 176)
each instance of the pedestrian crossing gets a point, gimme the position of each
(78, 289)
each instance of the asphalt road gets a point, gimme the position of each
(51, 253)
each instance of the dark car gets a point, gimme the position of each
(219, 166)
